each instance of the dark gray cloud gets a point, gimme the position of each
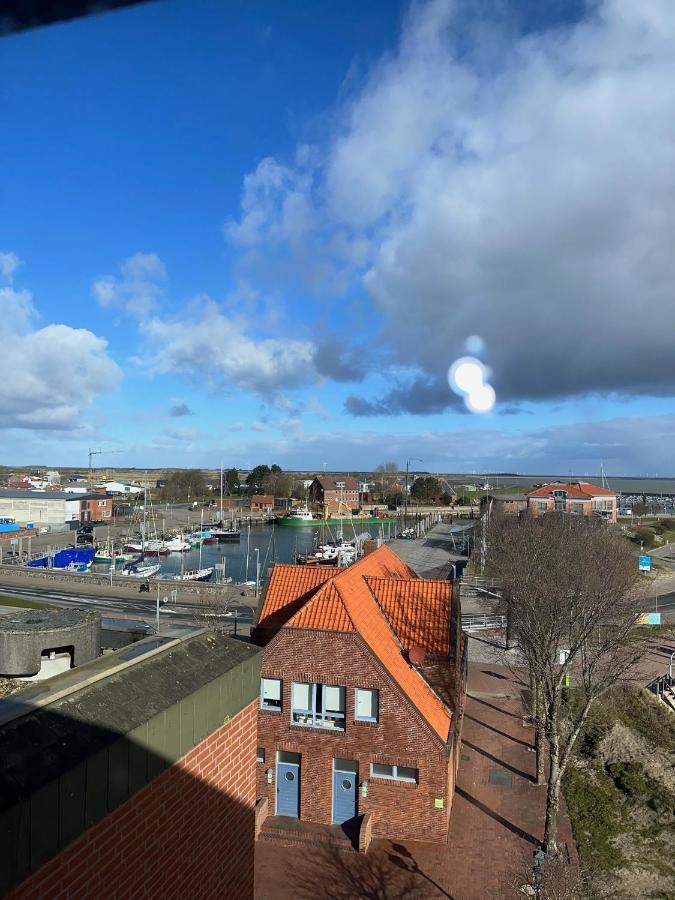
(420, 396)
(178, 410)
(337, 361)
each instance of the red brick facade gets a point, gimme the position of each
(400, 810)
(187, 834)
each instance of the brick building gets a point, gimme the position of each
(262, 503)
(575, 497)
(503, 504)
(362, 693)
(133, 775)
(331, 490)
(96, 508)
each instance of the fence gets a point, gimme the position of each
(483, 623)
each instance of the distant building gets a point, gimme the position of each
(362, 696)
(54, 508)
(574, 497)
(120, 487)
(332, 490)
(507, 504)
(262, 503)
(77, 478)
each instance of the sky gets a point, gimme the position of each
(246, 232)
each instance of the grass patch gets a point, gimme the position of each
(22, 604)
(595, 808)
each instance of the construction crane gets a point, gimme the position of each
(90, 474)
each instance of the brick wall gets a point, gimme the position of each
(399, 810)
(187, 834)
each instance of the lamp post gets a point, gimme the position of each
(257, 571)
(407, 470)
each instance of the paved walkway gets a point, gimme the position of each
(433, 554)
(496, 822)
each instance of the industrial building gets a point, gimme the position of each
(53, 509)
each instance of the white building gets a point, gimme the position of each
(48, 508)
(119, 487)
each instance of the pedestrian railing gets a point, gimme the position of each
(482, 623)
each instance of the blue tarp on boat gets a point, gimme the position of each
(80, 556)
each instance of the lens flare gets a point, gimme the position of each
(468, 378)
(474, 344)
(482, 399)
(465, 375)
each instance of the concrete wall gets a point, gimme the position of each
(40, 510)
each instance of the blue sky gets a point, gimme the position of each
(254, 232)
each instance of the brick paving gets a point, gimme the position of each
(496, 822)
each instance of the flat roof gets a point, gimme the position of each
(49, 495)
(99, 702)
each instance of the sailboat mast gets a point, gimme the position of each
(248, 548)
(201, 539)
(221, 495)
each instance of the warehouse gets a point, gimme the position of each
(54, 509)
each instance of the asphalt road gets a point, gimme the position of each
(116, 607)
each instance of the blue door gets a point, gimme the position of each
(344, 796)
(288, 789)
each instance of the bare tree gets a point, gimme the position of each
(569, 588)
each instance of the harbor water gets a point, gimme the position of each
(274, 544)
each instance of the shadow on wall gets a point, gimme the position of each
(96, 813)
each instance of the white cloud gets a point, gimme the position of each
(218, 348)
(520, 190)
(139, 288)
(9, 263)
(51, 375)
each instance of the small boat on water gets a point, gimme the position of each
(301, 516)
(177, 545)
(225, 536)
(138, 571)
(149, 548)
(72, 559)
(195, 575)
(201, 537)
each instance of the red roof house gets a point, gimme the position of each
(361, 696)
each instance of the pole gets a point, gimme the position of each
(201, 539)
(158, 607)
(257, 572)
(221, 495)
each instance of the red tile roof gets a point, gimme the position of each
(348, 600)
(288, 589)
(418, 611)
(576, 490)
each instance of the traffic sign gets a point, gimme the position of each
(645, 564)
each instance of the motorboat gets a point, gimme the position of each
(302, 516)
(195, 575)
(177, 545)
(142, 571)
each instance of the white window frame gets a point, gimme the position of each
(375, 704)
(315, 715)
(271, 707)
(395, 774)
(260, 754)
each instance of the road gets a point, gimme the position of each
(116, 607)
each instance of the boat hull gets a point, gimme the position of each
(316, 523)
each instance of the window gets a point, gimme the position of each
(542, 505)
(318, 706)
(260, 754)
(365, 705)
(394, 773)
(270, 694)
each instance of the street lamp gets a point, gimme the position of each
(407, 470)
